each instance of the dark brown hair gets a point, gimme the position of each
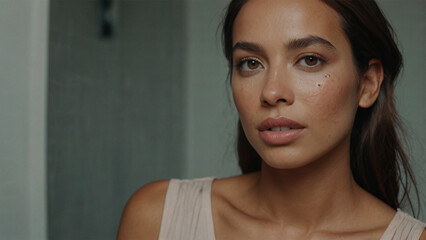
(378, 160)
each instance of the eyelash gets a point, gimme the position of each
(320, 60)
(246, 60)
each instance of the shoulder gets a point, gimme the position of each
(142, 213)
(423, 236)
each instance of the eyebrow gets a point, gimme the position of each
(291, 45)
(308, 41)
(248, 46)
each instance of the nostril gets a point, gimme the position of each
(273, 102)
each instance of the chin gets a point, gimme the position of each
(283, 160)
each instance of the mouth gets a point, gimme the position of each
(280, 131)
(279, 125)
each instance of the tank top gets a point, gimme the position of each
(187, 214)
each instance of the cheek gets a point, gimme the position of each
(243, 97)
(331, 96)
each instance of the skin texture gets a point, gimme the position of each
(317, 86)
(141, 217)
(305, 189)
(323, 98)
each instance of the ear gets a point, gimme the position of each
(370, 84)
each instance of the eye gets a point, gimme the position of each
(249, 64)
(310, 61)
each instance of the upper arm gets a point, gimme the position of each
(141, 217)
(423, 236)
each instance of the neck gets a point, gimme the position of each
(311, 197)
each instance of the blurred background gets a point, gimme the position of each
(99, 97)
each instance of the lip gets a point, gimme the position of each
(280, 137)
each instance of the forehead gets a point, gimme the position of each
(284, 20)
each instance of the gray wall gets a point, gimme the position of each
(211, 123)
(116, 110)
(23, 62)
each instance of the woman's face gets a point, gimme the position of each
(294, 82)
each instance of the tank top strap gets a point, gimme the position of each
(403, 227)
(187, 212)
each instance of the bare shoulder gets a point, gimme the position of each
(423, 236)
(142, 214)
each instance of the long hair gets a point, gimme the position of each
(378, 161)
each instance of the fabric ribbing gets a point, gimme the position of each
(403, 227)
(187, 210)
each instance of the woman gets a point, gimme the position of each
(313, 83)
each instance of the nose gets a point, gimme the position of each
(277, 88)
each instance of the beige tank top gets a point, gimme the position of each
(187, 214)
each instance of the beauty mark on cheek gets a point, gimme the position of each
(326, 76)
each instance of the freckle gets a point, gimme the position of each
(326, 75)
(319, 85)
